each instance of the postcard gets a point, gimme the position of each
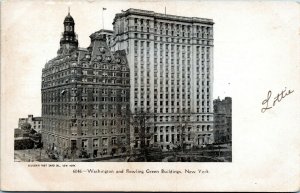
(150, 95)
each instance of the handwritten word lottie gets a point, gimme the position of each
(268, 104)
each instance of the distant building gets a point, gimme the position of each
(18, 133)
(35, 122)
(223, 120)
(171, 64)
(25, 138)
(85, 97)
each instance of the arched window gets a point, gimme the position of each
(70, 28)
(67, 28)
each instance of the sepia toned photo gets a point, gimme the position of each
(142, 92)
(152, 95)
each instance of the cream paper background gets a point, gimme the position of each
(256, 50)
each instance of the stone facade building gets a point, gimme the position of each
(222, 120)
(85, 97)
(35, 122)
(171, 63)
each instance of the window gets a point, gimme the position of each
(95, 123)
(113, 140)
(113, 122)
(104, 123)
(123, 130)
(84, 143)
(95, 143)
(104, 142)
(123, 140)
(123, 122)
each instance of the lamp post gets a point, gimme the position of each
(40, 153)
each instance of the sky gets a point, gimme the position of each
(243, 32)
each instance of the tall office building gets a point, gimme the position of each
(85, 98)
(171, 64)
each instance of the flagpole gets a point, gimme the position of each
(102, 18)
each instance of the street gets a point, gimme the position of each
(30, 155)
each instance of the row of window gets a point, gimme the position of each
(67, 111)
(181, 93)
(94, 80)
(86, 132)
(84, 142)
(171, 110)
(145, 45)
(96, 132)
(67, 62)
(64, 96)
(170, 25)
(83, 107)
(178, 40)
(168, 32)
(167, 105)
(105, 142)
(105, 73)
(55, 73)
(178, 97)
(182, 127)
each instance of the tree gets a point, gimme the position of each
(183, 125)
(36, 138)
(120, 148)
(142, 122)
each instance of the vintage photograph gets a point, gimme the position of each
(130, 95)
(141, 92)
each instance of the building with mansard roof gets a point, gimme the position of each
(85, 98)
